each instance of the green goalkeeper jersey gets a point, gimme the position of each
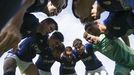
(116, 50)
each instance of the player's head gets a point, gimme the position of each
(56, 51)
(48, 25)
(54, 7)
(94, 28)
(68, 50)
(77, 44)
(56, 39)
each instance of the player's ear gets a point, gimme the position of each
(85, 34)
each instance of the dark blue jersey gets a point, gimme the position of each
(118, 23)
(45, 61)
(88, 57)
(31, 46)
(113, 5)
(38, 6)
(67, 65)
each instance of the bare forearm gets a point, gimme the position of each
(10, 34)
(17, 20)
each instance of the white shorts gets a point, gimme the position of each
(41, 72)
(99, 70)
(22, 65)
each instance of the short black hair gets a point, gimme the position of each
(66, 4)
(50, 21)
(29, 26)
(68, 47)
(87, 25)
(56, 52)
(55, 3)
(58, 35)
(77, 42)
(61, 47)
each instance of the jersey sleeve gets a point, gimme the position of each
(89, 48)
(25, 51)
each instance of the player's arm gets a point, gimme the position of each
(125, 38)
(10, 34)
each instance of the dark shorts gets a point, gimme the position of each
(8, 8)
(118, 23)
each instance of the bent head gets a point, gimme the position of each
(48, 25)
(91, 38)
(54, 7)
(56, 39)
(82, 10)
(60, 4)
(77, 44)
(93, 28)
(68, 51)
(56, 52)
(55, 43)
